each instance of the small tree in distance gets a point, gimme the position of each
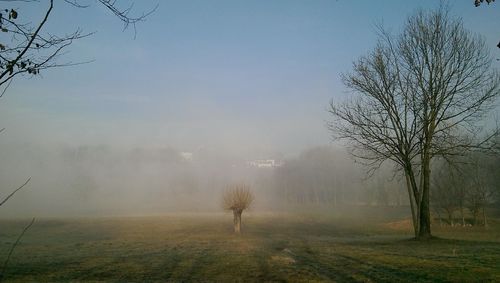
(237, 198)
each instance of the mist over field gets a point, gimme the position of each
(103, 181)
(228, 83)
(249, 141)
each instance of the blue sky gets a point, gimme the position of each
(247, 76)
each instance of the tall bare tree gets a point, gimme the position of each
(237, 198)
(418, 95)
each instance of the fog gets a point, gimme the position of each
(102, 180)
(229, 83)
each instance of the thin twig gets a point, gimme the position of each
(6, 87)
(15, 191)
(4, 267)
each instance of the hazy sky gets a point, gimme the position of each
(250, 76)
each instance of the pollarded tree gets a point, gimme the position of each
(237, 198)
(419, 95)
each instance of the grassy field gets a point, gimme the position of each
(273, 247)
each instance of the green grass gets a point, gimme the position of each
(181, 248)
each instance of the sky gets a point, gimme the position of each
(253, 77)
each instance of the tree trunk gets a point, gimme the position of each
(335, 197)
(412, 205)
(462, 214)
(484, 219)
(424, 211)
(450, 217)
(237, 221)
(439, 217)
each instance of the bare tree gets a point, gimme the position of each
(237, 198)
(449, 187)
(317, 176)
(481, 190)
(495, 180)
(420, 95)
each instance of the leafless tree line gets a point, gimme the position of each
(326, 176)
(468, 186)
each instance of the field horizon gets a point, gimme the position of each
(273, 247)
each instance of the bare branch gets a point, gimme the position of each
(6, 262)
(237, 197)
(15, 191)
(30, 49)
(27, 46)
(6, 87)
(123, 14)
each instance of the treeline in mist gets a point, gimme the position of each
(465, 188)
(105, 180)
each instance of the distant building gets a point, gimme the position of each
(265, 163)
(187, 155)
